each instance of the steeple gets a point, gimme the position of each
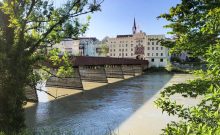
(134, 28)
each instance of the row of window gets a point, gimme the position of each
(152, 60)
(132, 49)
(152, 43)
(126, 54)
(120, 50)
(121, 54)
(140, 41)
(121, 45)
(126, 45)
(161, 48)
(157, 54)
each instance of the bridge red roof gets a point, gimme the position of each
(92, 61)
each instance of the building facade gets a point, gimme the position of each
(141, 46)
(69, 46)
(88, 46)
(84, 46)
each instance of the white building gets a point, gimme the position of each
(139, 45)
(85, 46)
(68, 45)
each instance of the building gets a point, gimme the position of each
(84, 46)
(89, 46)
(69, 46)
(141, 46)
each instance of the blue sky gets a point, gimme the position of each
(117, 17)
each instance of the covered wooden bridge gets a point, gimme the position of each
(94, 69)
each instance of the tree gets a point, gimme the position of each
(26, 28)
(196, 26)
(104, 49)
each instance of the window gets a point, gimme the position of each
(114, 54)
(152, 60)
(122, 45)
(131, 45)
(148, 48)
(126, 45)
(148, 43)
(126, 49)
(119, 49)
(148, 54)
(161, 48)
(131, 49)
(110, 50)
(110, 54)
(156, 54)
(152, 48)
(156, 48)
(131, 54)
(114, 50)
(119, 45)
(122, 50)
(157, 43)
(152, 54)
(119, 54)
(161, 60)
(152, 43)
(161, 54)
(126, 54)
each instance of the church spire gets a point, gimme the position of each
(134, 28)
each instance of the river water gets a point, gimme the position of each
(101, 110)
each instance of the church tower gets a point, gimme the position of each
(134, 28)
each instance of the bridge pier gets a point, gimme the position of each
(114, 71)
(138, 69)
(128, 70)
(93, 74)
(72, 82)
(31, 94)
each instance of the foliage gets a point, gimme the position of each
(27, 28)
(175, 59)
(195, 24)
(104, 50)
(205, 114)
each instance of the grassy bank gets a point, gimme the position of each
(167, 70)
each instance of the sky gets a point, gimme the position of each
(117, 17)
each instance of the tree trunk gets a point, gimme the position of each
(12, 96)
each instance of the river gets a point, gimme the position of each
(124, 107)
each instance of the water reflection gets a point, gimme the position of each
(98, 110)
